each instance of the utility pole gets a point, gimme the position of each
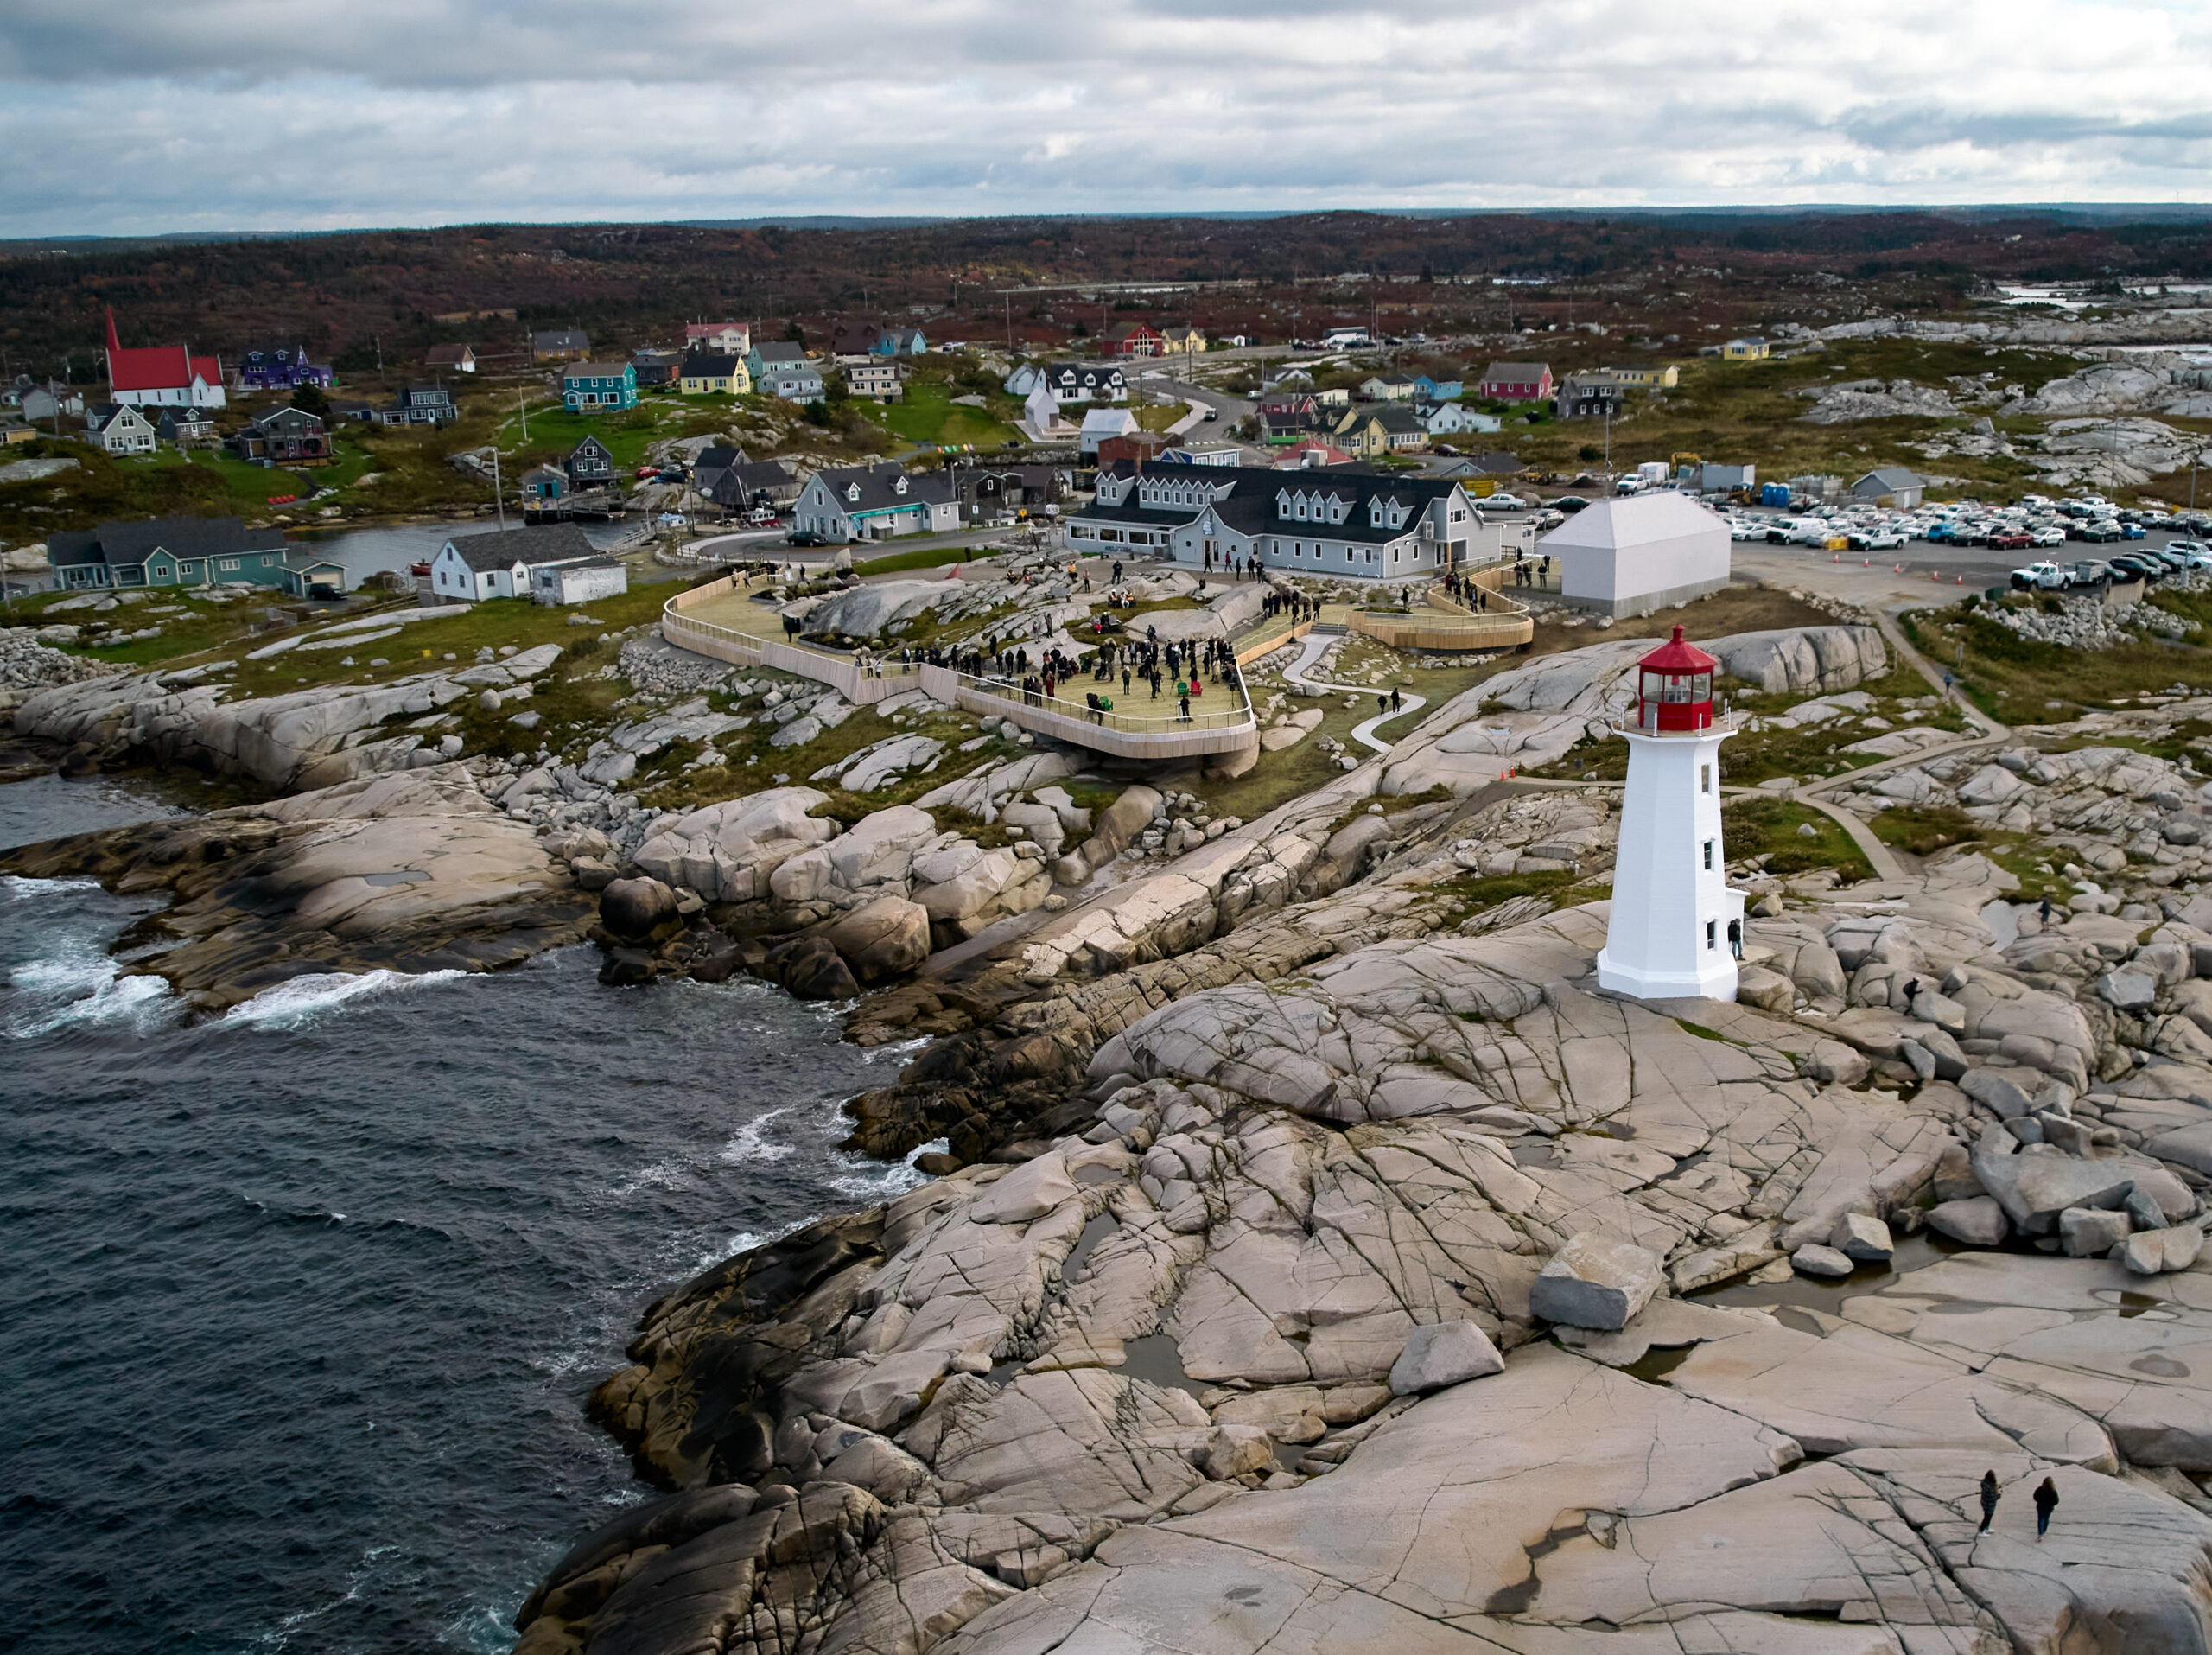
(1009, 323)
(522, 406)
(499, 489)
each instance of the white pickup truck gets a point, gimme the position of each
(2046, 576)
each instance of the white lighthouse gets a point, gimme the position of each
(1676, 925)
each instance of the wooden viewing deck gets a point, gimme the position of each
(720, 620)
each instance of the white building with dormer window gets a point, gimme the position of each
(1337, 523)
(875, 502)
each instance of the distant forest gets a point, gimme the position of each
(353, 297)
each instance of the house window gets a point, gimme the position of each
(1711, 934)
(1708, 855)
(228, 564)
(1705, 778)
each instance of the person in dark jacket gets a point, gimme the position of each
(1988, 1501)
(2046, 1503)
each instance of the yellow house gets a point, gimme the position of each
(1370, 432)
(706, 374)
(1745, 350)
(1179, 339)
(1664, 379)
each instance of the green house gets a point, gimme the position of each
(170, 552)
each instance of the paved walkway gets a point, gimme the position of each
(1311, 652)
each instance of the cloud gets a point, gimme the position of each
(133, 116)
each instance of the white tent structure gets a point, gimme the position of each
(1630, 556)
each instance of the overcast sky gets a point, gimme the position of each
(133, 116)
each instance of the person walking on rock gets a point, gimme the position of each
(2046, 1503)
(1989, 1493)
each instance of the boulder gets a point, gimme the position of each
(810, 968)
(1977, 1220)
(1595, 1281)
(2091, 1232)
(1825, 1263)
(2034, 1188)
(1443, 1354)
(1025, 1194)
(1861, 1236)
(726, 852)
(2154, 1252)
(1834, 1064)
(883, 938)
(1769, 990)
(1232, 1450)
(633, 909)
(2128, 991)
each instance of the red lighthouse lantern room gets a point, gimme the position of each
(1673, 689)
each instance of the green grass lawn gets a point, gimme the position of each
(921, 557)
(928, 414)
(554, 431)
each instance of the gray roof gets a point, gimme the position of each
(782, 353)
(552, 543)
(1249, 503)
(1892, 478)
(878, 485)
(129, 544)
(596, 370)
(1517, 373)
(711, 365)
(561, 338)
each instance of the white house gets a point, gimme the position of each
(875, 502)
(1450, 418)
(554, 585)
(119, 429)
(719, 337)
(471, 568)
(1100, 424)
(1627, 557)
(1040, 407)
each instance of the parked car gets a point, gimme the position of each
(2129, 530)
(2048, 536)
(2189, 548)
(803, 538)
(1570, 504)
(2011, 540)
(2128, 567)
(2097, 531)
(2045, 576)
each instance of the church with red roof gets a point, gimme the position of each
(162, 376)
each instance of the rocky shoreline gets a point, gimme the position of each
(1315, 1256)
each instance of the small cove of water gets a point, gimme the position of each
(303, 1302)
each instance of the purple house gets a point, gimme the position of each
(279, 367)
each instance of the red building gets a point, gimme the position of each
(1135, 340)
(162, 376)
(1518, 382)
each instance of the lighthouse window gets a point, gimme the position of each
(1712, 935)
(1708, 855)
(1705, 778)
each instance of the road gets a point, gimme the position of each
(1228, 410)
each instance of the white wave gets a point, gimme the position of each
(874, 1181)
(289, 1004)
(22, 889)
(92, 991)
(751, 1144)
(895, 1049)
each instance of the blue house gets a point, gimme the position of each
(169, 552)
(1428, 390)
(544, 483)
(596, 387)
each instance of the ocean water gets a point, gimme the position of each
(300, 1305)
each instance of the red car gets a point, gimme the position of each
(2011, 540)
(648, 471)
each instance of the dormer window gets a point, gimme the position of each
(898, 487)
(852, 490)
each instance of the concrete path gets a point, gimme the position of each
(1314, 644)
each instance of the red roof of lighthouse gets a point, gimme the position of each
(157, 367)
(1676, 655)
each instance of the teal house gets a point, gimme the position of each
(170, 552)
(596, 387)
